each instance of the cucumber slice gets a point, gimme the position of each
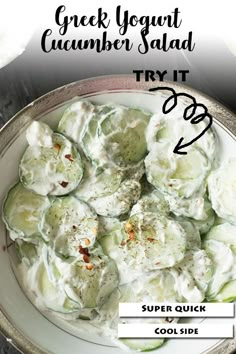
(199, 265)
(86, 281)
(186, 287)
(112, 194)
(195, 207)
(104, 182)
(153, 202)
(131, 128)
(119, 202)
(143, 345)
(27, 252)
(181, 176)
(144, 243)
(52, 297)
(170, 127)
(198, 209)
(22, 212)
(227, 293)
(112, 135)
(68, 224)
(192, 234)
(58, 271)
(224, 263)
(75, 118)
(89, 280)
(222, 190)
(55, 170)
(225, 233)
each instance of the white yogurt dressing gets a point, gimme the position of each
(147, 253)
(39, 134)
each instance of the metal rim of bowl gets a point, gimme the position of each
(59, 96)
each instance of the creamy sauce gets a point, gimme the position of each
(149, 249)
(39, 134)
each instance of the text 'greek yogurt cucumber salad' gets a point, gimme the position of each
(104, 212)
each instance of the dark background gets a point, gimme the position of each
(212, 71)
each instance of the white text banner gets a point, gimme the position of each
(176, 310)
(139, 330)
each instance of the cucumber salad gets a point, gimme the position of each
(104, 212)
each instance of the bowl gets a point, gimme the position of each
(30, 330)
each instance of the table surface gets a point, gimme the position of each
(22, 81)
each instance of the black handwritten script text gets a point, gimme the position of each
(189, 114)
(150, 35)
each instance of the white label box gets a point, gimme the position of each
(176, 309)
(139, 330)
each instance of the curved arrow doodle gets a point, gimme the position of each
(189, 114)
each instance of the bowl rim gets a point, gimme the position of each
(117, 82)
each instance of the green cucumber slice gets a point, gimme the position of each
(227, 293)
(55, 170)
(89, 280)
(222, 190)
(112, 194)
(197, 210)
(112, 135)
(145, 242)
(68, 224)
(53, 297)
(75, 118)
(125, 129)
(153, 202)
(22, 212)
(225, 233)
(89, 139)
(103, 181)
(143, 345)
(224, 265)
(199, 266)
(220, 243)
(118, 203)
(170, 127)
(181, 176)
(27, 252)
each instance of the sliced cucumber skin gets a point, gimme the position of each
(119, 202)
(225, 233)
(45, 287)
(224, 266)
(19, 189)
(143, 345)
(226, 294)
(104, 182)
(129, 153)
(141, 248)
(86, 228)
(75, 118)
(222, 191)
(58, 188)
(105, 128)
(175, 175)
